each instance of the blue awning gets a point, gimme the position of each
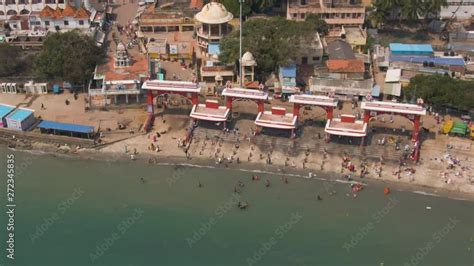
(376, 91)
(75, 128)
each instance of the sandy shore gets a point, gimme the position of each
(420, 182)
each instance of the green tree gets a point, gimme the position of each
(413, 9)
(273, 42)
(318, 23)
(70, 56)
(434, 6)
(10, 56)
(441, 90)
(233, 6)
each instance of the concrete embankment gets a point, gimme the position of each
(8, 136)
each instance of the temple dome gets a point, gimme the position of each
(248, 59)
(214, 13)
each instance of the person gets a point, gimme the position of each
(42, 106)
(267, 183)
(142, 180)
(199, 184)
(319, 198)
(286, 180)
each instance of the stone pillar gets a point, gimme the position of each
(194, 99)
(149, 102)
(416, 128)
(329, 113)
(296, 109)
(126, 98)
(261, 106)
(228, 101)
(366, 116)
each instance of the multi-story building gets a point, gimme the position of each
(10, 8)
(334, 12)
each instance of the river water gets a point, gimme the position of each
(84, 212)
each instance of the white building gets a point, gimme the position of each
(9, 8)
(67, 18)
(458, 10)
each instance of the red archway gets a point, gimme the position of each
(236, 94)
(326, 103)
(411, 111)
(189, 90)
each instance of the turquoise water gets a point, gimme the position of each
(77, 212)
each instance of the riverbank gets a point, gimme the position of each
(331, 171)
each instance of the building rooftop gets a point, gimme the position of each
(393, 75)
(277, 118)
(342, 86)
(210, 111)
(20, 114)
(5, 110)
(68, 11)
(346, 66)
(407, 48)
(138, 67)
(340, 49)
(214, 13)
(346, 126)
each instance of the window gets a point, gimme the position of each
(304, 60)
(302, 15)
(315, 58)
(303, 2)
(66, 23)
(81, 22)
(295, 15)
(46, 23)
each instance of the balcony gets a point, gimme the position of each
(205, 35)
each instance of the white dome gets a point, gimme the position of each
(248, 59)
(120, 46)
(214, 13)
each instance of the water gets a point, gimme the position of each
(77, 212)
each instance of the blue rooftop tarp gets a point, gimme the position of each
(5, 110)
(20, 114)
(445, 61)
(376, 91)
(401, 48)
(214, 49)
(46, 124)
(288, 71)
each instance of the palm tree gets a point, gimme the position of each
(413, 9)
(434, 6)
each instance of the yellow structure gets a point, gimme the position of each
(447, 126)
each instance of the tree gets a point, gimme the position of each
(233, 6)
(273, 42)
(413, 9)
(318, 23)
(10, 56)
(441, 90)
(70, 56)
